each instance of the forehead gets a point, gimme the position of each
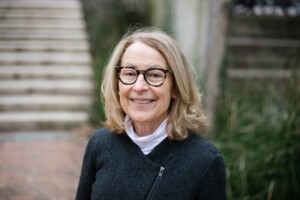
(141, 54)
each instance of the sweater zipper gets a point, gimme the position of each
(160, 173)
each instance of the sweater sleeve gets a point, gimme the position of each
(214, 182)
(87, 176)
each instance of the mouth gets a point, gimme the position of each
(142, 101)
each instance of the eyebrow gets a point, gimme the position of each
(147, 67)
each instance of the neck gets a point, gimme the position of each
(143, 129)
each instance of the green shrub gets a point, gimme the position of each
(106, 23)
(258, 132)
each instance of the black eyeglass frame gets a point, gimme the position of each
(165, 71)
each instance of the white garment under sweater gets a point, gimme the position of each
(149, 142)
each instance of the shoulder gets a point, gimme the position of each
(100, 138)
(200, 144)
(102, 134)
(200, 150)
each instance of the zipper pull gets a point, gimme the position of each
(161, 171)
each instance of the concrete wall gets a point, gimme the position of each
(190, 24)
(199, 26)
(215, 52)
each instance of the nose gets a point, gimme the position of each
(140, 84)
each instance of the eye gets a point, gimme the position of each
(128, 72)
(155, 74)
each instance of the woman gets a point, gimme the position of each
(151, 147)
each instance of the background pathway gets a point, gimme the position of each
(40, 166)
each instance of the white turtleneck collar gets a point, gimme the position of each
(149, 142)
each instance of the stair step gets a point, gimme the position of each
(46, 79)
(263, 42)
(43, 34)
(41, 23)
(30, 13)
(45, 102)
(259, 55)
(260, 73)
(32, 117)
(44, 58)
(20, 72)
(257, 65)
(43, 45)
(42, 85)
(269, 27)
(40, 4)
(254, 61)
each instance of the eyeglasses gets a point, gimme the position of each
(153, 76)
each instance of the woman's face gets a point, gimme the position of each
(147, 106)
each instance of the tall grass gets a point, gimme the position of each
(258, 131)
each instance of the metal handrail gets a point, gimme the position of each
(284, 8)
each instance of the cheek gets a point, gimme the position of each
(166, 98)
(123, 93)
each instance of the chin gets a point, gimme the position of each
(139, 118)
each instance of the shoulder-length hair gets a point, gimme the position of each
(185, 112)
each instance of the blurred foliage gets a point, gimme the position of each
(258, 132)
(106, 22)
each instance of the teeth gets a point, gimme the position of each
(142, 101)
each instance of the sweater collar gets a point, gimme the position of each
(149, 142)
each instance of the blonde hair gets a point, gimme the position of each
(185, 113)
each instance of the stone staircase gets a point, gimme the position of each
(263, 47)
(45, 66)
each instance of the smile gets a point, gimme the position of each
(142, 101)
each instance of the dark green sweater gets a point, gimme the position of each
(114, 167)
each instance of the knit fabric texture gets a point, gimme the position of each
(115, 168)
